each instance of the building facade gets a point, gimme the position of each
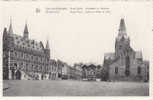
(66, 71)
(125, 64)
(53, 71)
(24, 58)
(71, 72)
(89, 72)
(78, 71)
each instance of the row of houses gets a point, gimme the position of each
(80, 71)
(71, 72)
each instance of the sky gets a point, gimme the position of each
(81, 37)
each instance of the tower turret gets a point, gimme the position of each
(5, 31)
(4, 36)
(47, 45)
(26, 32)
(10, 27)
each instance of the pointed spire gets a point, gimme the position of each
(10, 27)
(122, 28)
(26, 32)
(26, 28)
(47, 45)
(5, 31)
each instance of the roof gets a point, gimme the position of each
(122, 30)
(122, 25)
(138, 54)
(146, 62)
(109, 56)
(10, 31)
(26, 29)
(27, 43)
(52, 62)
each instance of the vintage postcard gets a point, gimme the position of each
(74, 48)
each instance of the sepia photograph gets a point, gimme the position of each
(76, 49)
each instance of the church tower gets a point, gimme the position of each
(122, 43)
(26, 32)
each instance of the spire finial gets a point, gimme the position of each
(26, 28)
(47, 44)
(10, 27)
(5, 31)
(26, 32)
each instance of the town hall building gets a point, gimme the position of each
(24, 58)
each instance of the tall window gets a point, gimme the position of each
(15, 65)
(32, 57)
(116, 70)
(36, 69)
(22, 55)
(127, 69)
(32, 68)
(139, 70)
(21, 65)
(15, 53)
(27, 67)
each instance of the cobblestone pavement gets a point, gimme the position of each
(73, 88)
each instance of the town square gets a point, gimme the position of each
(73, 88)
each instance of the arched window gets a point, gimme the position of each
(15, 65)
(139, 70)
(116, 70)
